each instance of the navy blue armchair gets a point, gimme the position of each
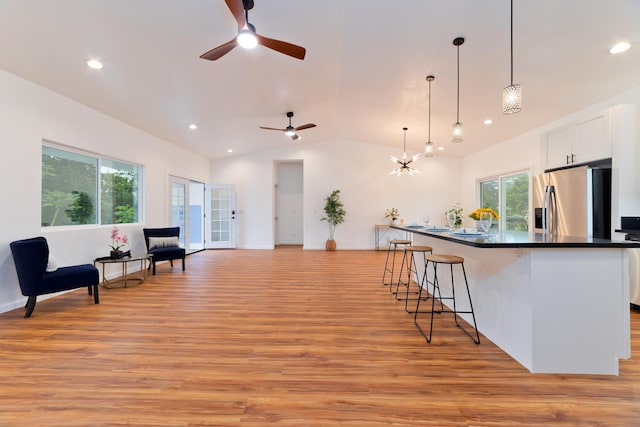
(31, 256)
(163, 244)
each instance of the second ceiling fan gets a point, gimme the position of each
(247, 36)
(290, 130)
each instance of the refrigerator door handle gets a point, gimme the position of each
(549, 215)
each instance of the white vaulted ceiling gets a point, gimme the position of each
(363, 77)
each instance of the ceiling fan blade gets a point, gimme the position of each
(292, 50)
(303, 127)
(295, 137)
(237, 10)
(282, 130)
(218, 52)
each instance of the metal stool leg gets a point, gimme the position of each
(455, 311)
(419, 282)
(405, 261)
(475, 339)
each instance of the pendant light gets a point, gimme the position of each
(458, 133)
(404, 163)
(428, 148)
(512, 94)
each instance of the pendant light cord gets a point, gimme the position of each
(405, 141)
(458, 96)
(511, 42)
(429, 137)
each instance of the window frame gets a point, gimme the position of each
(74, 150)
(499, 177)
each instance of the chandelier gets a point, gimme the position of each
(403, 165)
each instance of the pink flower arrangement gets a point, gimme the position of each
(118, 240)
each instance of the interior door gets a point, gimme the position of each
(220, 223)
(179, 189)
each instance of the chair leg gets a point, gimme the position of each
(154, 267)
(31, 304)
(182, 264)
(96, 298)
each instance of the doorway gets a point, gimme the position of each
(187, 212)
(289, 203)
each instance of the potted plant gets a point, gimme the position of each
(392, 215)
(453, 216)
(334, 214)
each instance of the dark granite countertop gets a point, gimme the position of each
(521, 239)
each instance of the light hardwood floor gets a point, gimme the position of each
(284, 337)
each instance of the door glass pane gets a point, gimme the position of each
(196, 216)
(515, 196)
(489, 197)
(178, 208)
(220, 214)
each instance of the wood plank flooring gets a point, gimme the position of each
(284, 337)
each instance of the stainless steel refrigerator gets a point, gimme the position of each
(573, 202)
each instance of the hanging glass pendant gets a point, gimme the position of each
(458, 133)
(512, 99)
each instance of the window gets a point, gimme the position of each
(509, 196)
(71, 183)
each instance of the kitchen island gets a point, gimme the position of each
(555, 304)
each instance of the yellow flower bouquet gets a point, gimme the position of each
(476, 214)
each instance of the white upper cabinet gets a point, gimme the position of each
(579, 142)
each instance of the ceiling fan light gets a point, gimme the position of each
(247, 39)
(289, 131)
(458, 132)
(512, 99)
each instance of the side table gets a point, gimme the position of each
(143, 258)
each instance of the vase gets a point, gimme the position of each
(330, 245)
(483, 224)
(116, 254)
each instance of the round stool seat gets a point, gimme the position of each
(399, 242)
(418, 248)
(445, 259)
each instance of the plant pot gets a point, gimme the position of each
(330, 245)
(116, 254)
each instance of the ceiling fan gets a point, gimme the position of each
(247, 36)
(290, 130)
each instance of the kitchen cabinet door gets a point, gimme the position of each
(593, 141)
(558, 147)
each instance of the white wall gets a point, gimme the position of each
(359, 170)
(29, 115)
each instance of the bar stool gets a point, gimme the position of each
(451, 260)
(409, 260)
(391, 268)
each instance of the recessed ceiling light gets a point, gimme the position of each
(488, 122)
(440, 148)
(95, 64)
(193, 126)
(620, 47)
(229, 150)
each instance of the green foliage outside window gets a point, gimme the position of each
(71, 190)
(509, 196)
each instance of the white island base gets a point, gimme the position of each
(554, 310)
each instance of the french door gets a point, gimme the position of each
(187, 211)
(220, 224)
